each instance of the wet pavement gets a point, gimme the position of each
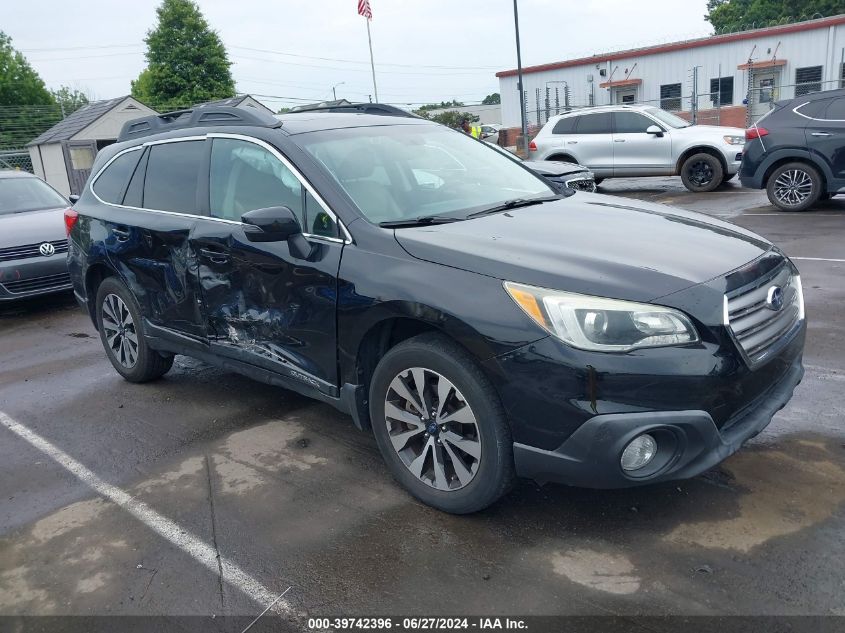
(289, 494)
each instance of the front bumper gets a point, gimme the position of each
(590, 457)
(32, 277)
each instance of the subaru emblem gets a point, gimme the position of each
(774, 298)
(47, 249)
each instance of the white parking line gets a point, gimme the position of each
(193, 546)
(818, 259)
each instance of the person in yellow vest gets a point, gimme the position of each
(472, 130)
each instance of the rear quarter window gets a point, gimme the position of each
(111, 183)
(565, 126)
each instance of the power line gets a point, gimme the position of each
(357, 70)
(350, 61)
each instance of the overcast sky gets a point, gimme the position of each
(425, 50)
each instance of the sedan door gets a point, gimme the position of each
(635, 151)
(269, 304)
(592, 142)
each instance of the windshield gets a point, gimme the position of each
(401, 172)
(667, 117)
(27, 194)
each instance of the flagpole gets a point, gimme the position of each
(372, 63)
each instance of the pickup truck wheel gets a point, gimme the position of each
(702, 172)
(440, 426)
(794, 187)
(119, 323)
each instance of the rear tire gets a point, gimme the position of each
(702, 172)
(457, 455)
(794, 187)
(122, 335)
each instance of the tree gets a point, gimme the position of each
(69, 100)
(19, 83)
(437, 106)
(451, 118)
(493, 99)
(737, 15)
(186, 60)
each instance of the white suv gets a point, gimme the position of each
(623, 141)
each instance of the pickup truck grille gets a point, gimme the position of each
(758, 325)
(30, 250)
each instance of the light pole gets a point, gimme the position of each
(519, 80)
(334, 93)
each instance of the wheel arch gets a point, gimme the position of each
(701, 149)
(802, 156)
(562, 157)
(94, 276)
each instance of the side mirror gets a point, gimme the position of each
(73, 198)
(654, 129)
(272, 224)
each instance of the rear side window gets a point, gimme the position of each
(172, 175)
(111, 184)
(814, 109)
(594, 123)
(565, 126)
(836, 110)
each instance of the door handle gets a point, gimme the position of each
(121, 233)
(572, 142)
(619, 140)
(214, 255)
(819, 134)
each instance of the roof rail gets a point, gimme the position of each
(200, 116)
(363, 108)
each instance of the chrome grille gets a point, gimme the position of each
(22, 286)
(581, 184)
(758, 327)
(30, 250)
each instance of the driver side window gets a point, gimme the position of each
(245, 176)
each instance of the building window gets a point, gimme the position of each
(808, 80)
(670, 97)
(722, 91)
(842, 76)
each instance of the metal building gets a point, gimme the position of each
(711, 79)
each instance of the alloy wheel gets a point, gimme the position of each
(120, 333)
(700, 173)
(793, 187)
(432, 428)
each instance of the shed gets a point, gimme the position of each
(64, 154)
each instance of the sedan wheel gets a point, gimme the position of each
(432, 428)
(121, 335)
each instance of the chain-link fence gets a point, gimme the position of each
(16, 159)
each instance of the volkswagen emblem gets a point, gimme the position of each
(774, 298)
(47, 249)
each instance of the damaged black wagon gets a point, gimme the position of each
(481, 324)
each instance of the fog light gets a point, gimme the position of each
(639, 452)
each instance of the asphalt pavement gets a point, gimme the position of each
(206, 493)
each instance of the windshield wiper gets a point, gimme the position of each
(512, 204)
(422, 221)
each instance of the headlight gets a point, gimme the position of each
(600, 324)
(734, 140)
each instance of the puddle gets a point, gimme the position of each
(780, 492)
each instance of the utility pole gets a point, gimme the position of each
(334, 93)
(522, 104)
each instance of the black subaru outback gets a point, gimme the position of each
(481, 324)
(796, 151)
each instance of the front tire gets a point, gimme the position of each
(440, 426)
(702, 172)
(120, 326)
(794, 187)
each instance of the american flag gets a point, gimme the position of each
(364, 9)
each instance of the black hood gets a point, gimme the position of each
(592, 244)
(554, 168)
